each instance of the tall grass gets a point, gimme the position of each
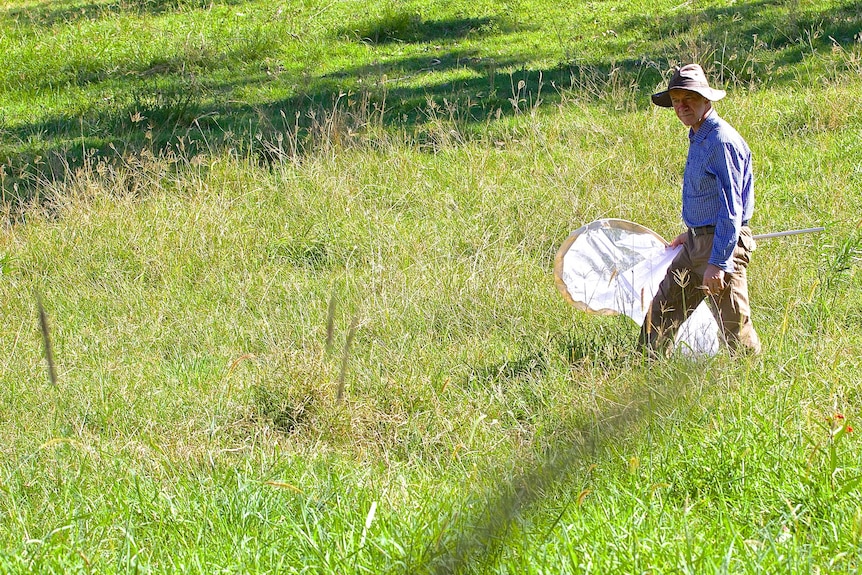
(334, 345)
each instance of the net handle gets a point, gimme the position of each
(787, 233)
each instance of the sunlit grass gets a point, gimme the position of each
(202, 422)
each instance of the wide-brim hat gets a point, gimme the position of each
(689, 77)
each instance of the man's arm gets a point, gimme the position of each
(728, 167)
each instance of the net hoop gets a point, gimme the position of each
(559, 259)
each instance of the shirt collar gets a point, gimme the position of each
(709, 124)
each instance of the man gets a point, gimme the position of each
(717, 204)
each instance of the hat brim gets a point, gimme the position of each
(663, 98)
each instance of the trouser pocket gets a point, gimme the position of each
(747, 241)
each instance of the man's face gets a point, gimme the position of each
(690, 107)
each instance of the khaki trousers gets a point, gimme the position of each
(680, 293)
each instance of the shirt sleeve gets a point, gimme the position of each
(727, 165)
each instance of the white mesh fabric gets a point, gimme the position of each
(614, 266)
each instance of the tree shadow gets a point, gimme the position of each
(410, 28)
(738, 25)
(50, 13)
(737, 39)
(176, 104)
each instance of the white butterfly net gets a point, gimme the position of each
(614, 266)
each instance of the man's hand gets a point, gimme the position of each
(713, 280)
(678, 240)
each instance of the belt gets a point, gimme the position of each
(703, 230)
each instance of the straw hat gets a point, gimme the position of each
(690, 77)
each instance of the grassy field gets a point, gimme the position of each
(296, 259)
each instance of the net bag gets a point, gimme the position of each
(614, 266)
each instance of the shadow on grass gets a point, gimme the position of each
(611, 343)
(763, 20)
(49, 13)
(406, 27)
(476, 546)
(732, 36)
(178, 105)
(533, 365)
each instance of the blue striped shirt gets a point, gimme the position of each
(718, 185)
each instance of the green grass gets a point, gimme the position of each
(114, 78)
(197, 191)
